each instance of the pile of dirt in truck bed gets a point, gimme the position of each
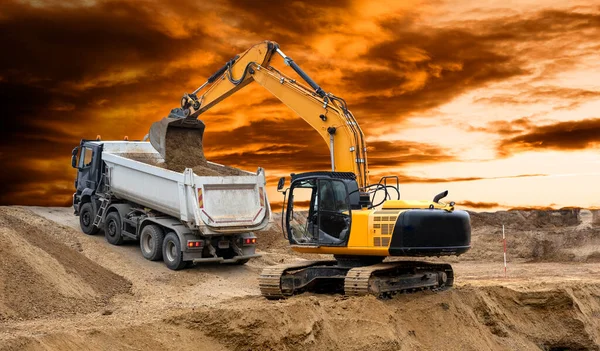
(184, 149)
(41, 273)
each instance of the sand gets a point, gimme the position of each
(42, 274)
(136, 304)
(184, 149)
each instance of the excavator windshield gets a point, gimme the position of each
(326, 219)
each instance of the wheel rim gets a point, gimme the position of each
(171, 251)
(112, 229)
(148, 244)
(85, 217)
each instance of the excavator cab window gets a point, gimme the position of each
(326, 221)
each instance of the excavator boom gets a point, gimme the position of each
(325, 112)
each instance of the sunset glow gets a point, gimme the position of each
(497, 101)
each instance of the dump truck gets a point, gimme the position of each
(179, 217)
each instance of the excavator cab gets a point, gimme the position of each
(319, 208)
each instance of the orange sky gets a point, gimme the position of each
(496, 101)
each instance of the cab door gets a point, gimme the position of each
(89, 167)
(334, 216)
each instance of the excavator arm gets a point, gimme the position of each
(325, 112)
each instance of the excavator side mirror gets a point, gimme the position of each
(280, 184)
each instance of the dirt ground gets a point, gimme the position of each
(63, 290)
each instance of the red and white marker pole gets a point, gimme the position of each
(504, 240)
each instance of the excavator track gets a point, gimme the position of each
(390, 278)
(381, 280)
(270, 278)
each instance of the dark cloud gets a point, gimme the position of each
(504, 128)
(385, 154)
(425, 67)
(278, 144)
(559, 97)
(478, 205)
(437, 65)
(569, 135)
(286, 21)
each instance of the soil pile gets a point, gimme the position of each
(467, 318)
(184, 149)
(567, 235)
(41, 274)
(488, 318)
(527, 219)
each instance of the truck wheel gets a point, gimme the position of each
(151, 240)
(112, 228)
(172, 254)
(86, 219)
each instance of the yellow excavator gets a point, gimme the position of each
(359, 223)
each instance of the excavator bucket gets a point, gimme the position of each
(159, 131)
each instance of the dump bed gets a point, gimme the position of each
(214, 204)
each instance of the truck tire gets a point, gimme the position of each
(151, 241)
(112, 228)
(172, 255)
(86, 219)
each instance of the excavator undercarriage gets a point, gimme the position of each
(332, 276)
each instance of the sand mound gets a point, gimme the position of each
(465, 318)
(41, 274)
(184, 149)
(536, 235)
(526, 219)
(461, 319)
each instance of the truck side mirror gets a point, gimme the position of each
(74, 157)
(281, 183)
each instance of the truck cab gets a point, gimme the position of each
(87, 159)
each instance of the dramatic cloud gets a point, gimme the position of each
(478, 205)
(566, 98)
(570, 135)
(73, 70)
